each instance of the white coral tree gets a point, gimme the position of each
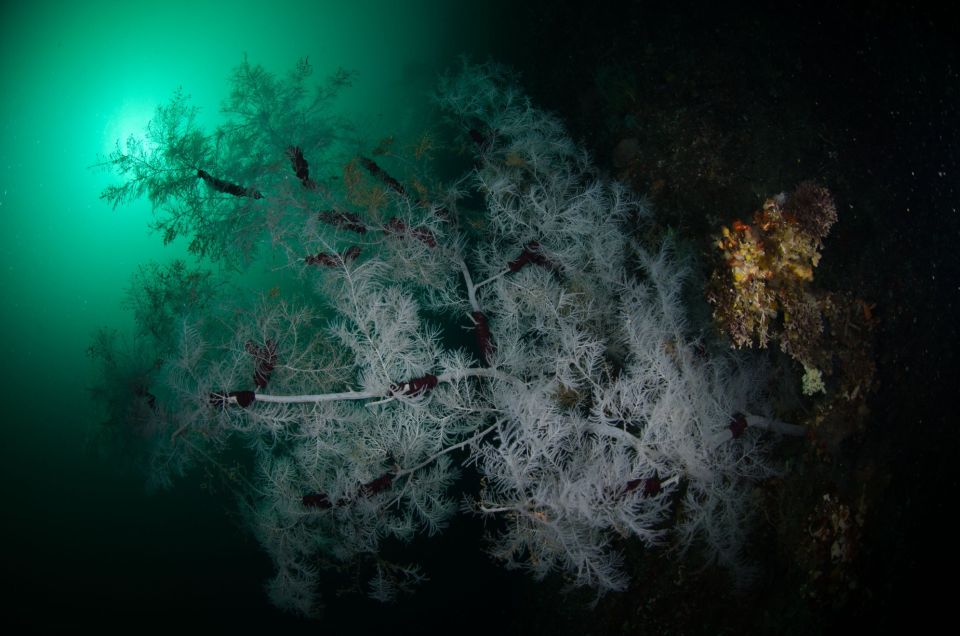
(588, 405)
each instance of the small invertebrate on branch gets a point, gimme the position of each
(531, 254)
(316, 500)
(225, 186)
(398, 228)
(416, 386)
(342, 220)
(481, 331)
(333, 260)
(379, 484)
(379, 173)
(266, 359)
(321, 501)
(300, 167)
(651, 486)
(738, 425)
(241, 398)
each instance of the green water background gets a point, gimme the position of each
(81, 536)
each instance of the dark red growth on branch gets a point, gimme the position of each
(415, 386)
(651, 486)
(226, 187)
(481, 331)
(478, 137)
(342, 220)
(398, 228)
(531, 254)
(316, 500)
(265, 358)
(333, 260)
(142, 391)
(738, 425)
(300, 167)
(323, 259)
(379, 173)
(321, 501)
(379, 484)
(243, 399)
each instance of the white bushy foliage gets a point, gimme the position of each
(594, 413)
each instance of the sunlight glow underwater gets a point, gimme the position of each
(130, 119)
